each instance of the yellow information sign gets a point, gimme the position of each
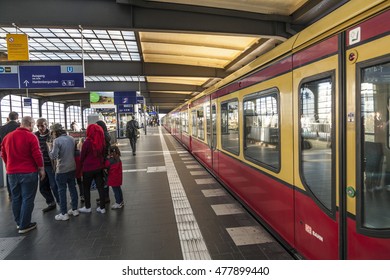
(17, 46)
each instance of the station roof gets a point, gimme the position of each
(169, 50)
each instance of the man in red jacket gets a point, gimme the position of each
(23, 159)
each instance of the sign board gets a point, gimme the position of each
(27, 102)
(125, 97)
(58, 76)
(9, 76)
(140, 100)
(17, 47)
(125, 108)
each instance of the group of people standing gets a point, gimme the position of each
(56, 158)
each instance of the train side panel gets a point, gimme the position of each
(266, 189)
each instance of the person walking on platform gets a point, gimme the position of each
(62, 151)
(114, 166)
(10, 126)
(92, 162)
(107, 140)
(23, 159)
(48, 188)
(132, 133)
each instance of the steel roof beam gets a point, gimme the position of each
(108, 14)
(135, 68)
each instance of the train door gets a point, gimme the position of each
(316, 144)
(214, 136)
(211, 132)
(368, 139)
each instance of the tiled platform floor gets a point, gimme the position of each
(174, 209)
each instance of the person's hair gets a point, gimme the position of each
(96, 136)
(13, 116)
(115, 149)
(57, 129)
(41, 121)
(103, 125)
(27, 121)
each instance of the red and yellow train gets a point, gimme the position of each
(301, 135)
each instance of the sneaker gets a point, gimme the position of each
(117, 205)
(100, 210)
(73, 212)
(62, 217)
(31, 226)
(49, 208)
(85, 210)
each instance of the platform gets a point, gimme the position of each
(174, 210)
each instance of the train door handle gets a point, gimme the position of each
(351, 192)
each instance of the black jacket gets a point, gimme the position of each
(131, 129)
(7, 128)
(43, 139)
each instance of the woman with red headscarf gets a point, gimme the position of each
(92, 162)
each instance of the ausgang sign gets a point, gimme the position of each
(58, 76)
(38, 76)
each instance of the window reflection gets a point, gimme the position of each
(229, 127)
(261, 121)
(316, 138)
(375, 107)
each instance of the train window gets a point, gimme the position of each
(214, 123)
(200, 123)
(211, 115)
(375, 178)
(194, 128)
(208, 125)
(261, 122)
(317, 142)
(184, 122)
(230, 137)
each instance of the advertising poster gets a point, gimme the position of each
(102, 99)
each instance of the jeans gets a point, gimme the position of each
(67, 180)
(53, 184)
(96, 175)
(23, 188)
(8, 186)
(118, 194)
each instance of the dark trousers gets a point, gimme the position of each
(133, 143)
(81, 187)
(45, 190)
(96, 175)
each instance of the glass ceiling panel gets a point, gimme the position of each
(48, 44)
(114, 78)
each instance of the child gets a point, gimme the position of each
(114, 166)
